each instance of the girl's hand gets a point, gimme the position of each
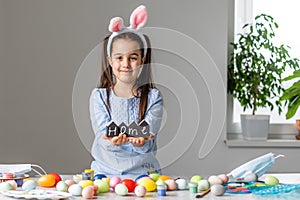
(117, 140)
(140, 141)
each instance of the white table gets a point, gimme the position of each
(291, 178)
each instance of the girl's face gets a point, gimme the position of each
(126, 60)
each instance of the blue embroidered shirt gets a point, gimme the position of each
(125, 159)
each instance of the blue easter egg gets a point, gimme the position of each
(141, 176)
(99, 176)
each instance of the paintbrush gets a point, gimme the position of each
(202, 194)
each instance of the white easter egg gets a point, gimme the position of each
(13, 184)
(61, 186)
(251, 177)
(75, 190)
(121, 189)
(217, 190)
(214, 180)
(203, 185)
(140, 191)
(29, 185)
(5, 186)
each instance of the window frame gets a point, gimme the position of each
(243, 12)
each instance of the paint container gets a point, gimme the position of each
(90, 171)
(193, 187)
(86, 176)
(161, 190)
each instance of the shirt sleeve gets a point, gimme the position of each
(99, 116)
(153, 117)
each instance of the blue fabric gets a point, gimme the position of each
(125, 159)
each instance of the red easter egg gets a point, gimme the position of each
(56, 176)
(130, 184)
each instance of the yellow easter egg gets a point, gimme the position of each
(149, 184)
(85, 183)
(106, 180)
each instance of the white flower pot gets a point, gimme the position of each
(255, 127)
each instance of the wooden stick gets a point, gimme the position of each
(202, 194)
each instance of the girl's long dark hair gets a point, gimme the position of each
(144, 81)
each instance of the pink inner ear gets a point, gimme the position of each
(138, 17)
(116, 24)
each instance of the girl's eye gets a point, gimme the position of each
(133, 58)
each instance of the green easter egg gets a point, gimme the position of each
(154, 176)
(203, 185)
(271, 180)
(196, 179)
(102, 186)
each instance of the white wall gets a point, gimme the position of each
(45, 43)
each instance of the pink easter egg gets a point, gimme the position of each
(215, 180)
(140, 191)
(171, 184)
(70, 182)
(88, 192)
(223, 177)
(115, 180)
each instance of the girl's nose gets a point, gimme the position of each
(126, 63)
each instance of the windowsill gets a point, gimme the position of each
(274, 140)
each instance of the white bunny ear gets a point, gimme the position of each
(138, 17)
(116, 24)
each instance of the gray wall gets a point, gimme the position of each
(42, 46)
(2, 57)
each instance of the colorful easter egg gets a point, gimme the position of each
(149, 184)
(203, 185)
(115, 180)
(13, 184)
(129, 183)
(223, 177)
(56, 176)
(85, 183)
(140, 191)
(214, 180)
(62, 186)
(29, 185)
(217, 190)
(47, 180)
(121, 189)
(102, 185)
(5, 186)
(140, 176)
(70, 182)
(75, 189)
(271, 180)
(88, 192)
(154, 176)
(164, 177)
(196, 179)
(171, 184)
(99, 176)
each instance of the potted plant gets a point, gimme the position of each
(254, 73)
(292, 97)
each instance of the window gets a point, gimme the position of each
(286, 14)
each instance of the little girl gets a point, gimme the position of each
(125, 94)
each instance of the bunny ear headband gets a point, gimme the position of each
(138, 19)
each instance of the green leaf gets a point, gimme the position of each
(292, 109)
(296, 74)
